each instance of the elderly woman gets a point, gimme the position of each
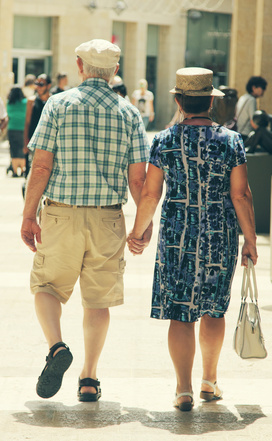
(204, 167)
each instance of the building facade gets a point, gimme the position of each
(156, 38)
(251, 46)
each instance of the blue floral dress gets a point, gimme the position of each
(198, 236)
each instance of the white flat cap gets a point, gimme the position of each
(99, 53)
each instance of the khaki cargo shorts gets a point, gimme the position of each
(81, 242)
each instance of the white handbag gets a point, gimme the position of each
(248, 339)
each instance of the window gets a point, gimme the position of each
(152, 61)
(31, 46)
(32, 33)
(208, 40)
(118, 37)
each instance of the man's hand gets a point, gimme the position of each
(137, 246)
(30, 231)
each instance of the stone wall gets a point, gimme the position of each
(73, 23)
(6, 26)
(251, 46)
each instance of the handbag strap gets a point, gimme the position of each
(239, 113)
(249, 279)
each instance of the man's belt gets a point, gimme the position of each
(48, 202)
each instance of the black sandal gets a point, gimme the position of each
(50, 380)
(87, 396)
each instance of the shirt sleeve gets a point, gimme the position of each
(139, 148)
(151, 96)
(251, 108)
(238, 152)
(44, 137)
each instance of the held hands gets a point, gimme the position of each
(30, 231)
(137, 246)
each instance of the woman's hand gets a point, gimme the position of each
(249, 251)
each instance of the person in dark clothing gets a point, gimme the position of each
(34, 109)
(62, 81)
(262, 136)
(120, 89)
(16, 108)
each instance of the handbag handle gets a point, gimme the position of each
(249, 276)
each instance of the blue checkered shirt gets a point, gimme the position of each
(94, 135)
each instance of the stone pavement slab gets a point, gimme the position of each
(135, 369)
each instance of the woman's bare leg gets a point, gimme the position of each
(181, 343)
(211, 337)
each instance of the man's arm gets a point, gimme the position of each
(150, 198)
(253, 125)
(38, 178)
(136, 180)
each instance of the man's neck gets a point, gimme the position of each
(86, 77)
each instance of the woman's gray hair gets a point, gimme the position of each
(98, 72)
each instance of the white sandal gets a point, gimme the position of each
(186, 405)
(210, 396)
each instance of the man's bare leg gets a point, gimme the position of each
(95, 328)
(48, 310)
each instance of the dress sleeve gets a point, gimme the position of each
(155, 157)
(238, 152)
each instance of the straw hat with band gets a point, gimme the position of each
(195, 81)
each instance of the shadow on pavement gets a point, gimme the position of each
(207, 418)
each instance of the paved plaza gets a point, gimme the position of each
(135, 370)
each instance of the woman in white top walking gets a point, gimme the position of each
(143, 99)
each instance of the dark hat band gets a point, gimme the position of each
(184, 92)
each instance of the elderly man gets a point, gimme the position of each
(90, 146)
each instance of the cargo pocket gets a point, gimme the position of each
(37, 273)
(122, 265)
(39, 259)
